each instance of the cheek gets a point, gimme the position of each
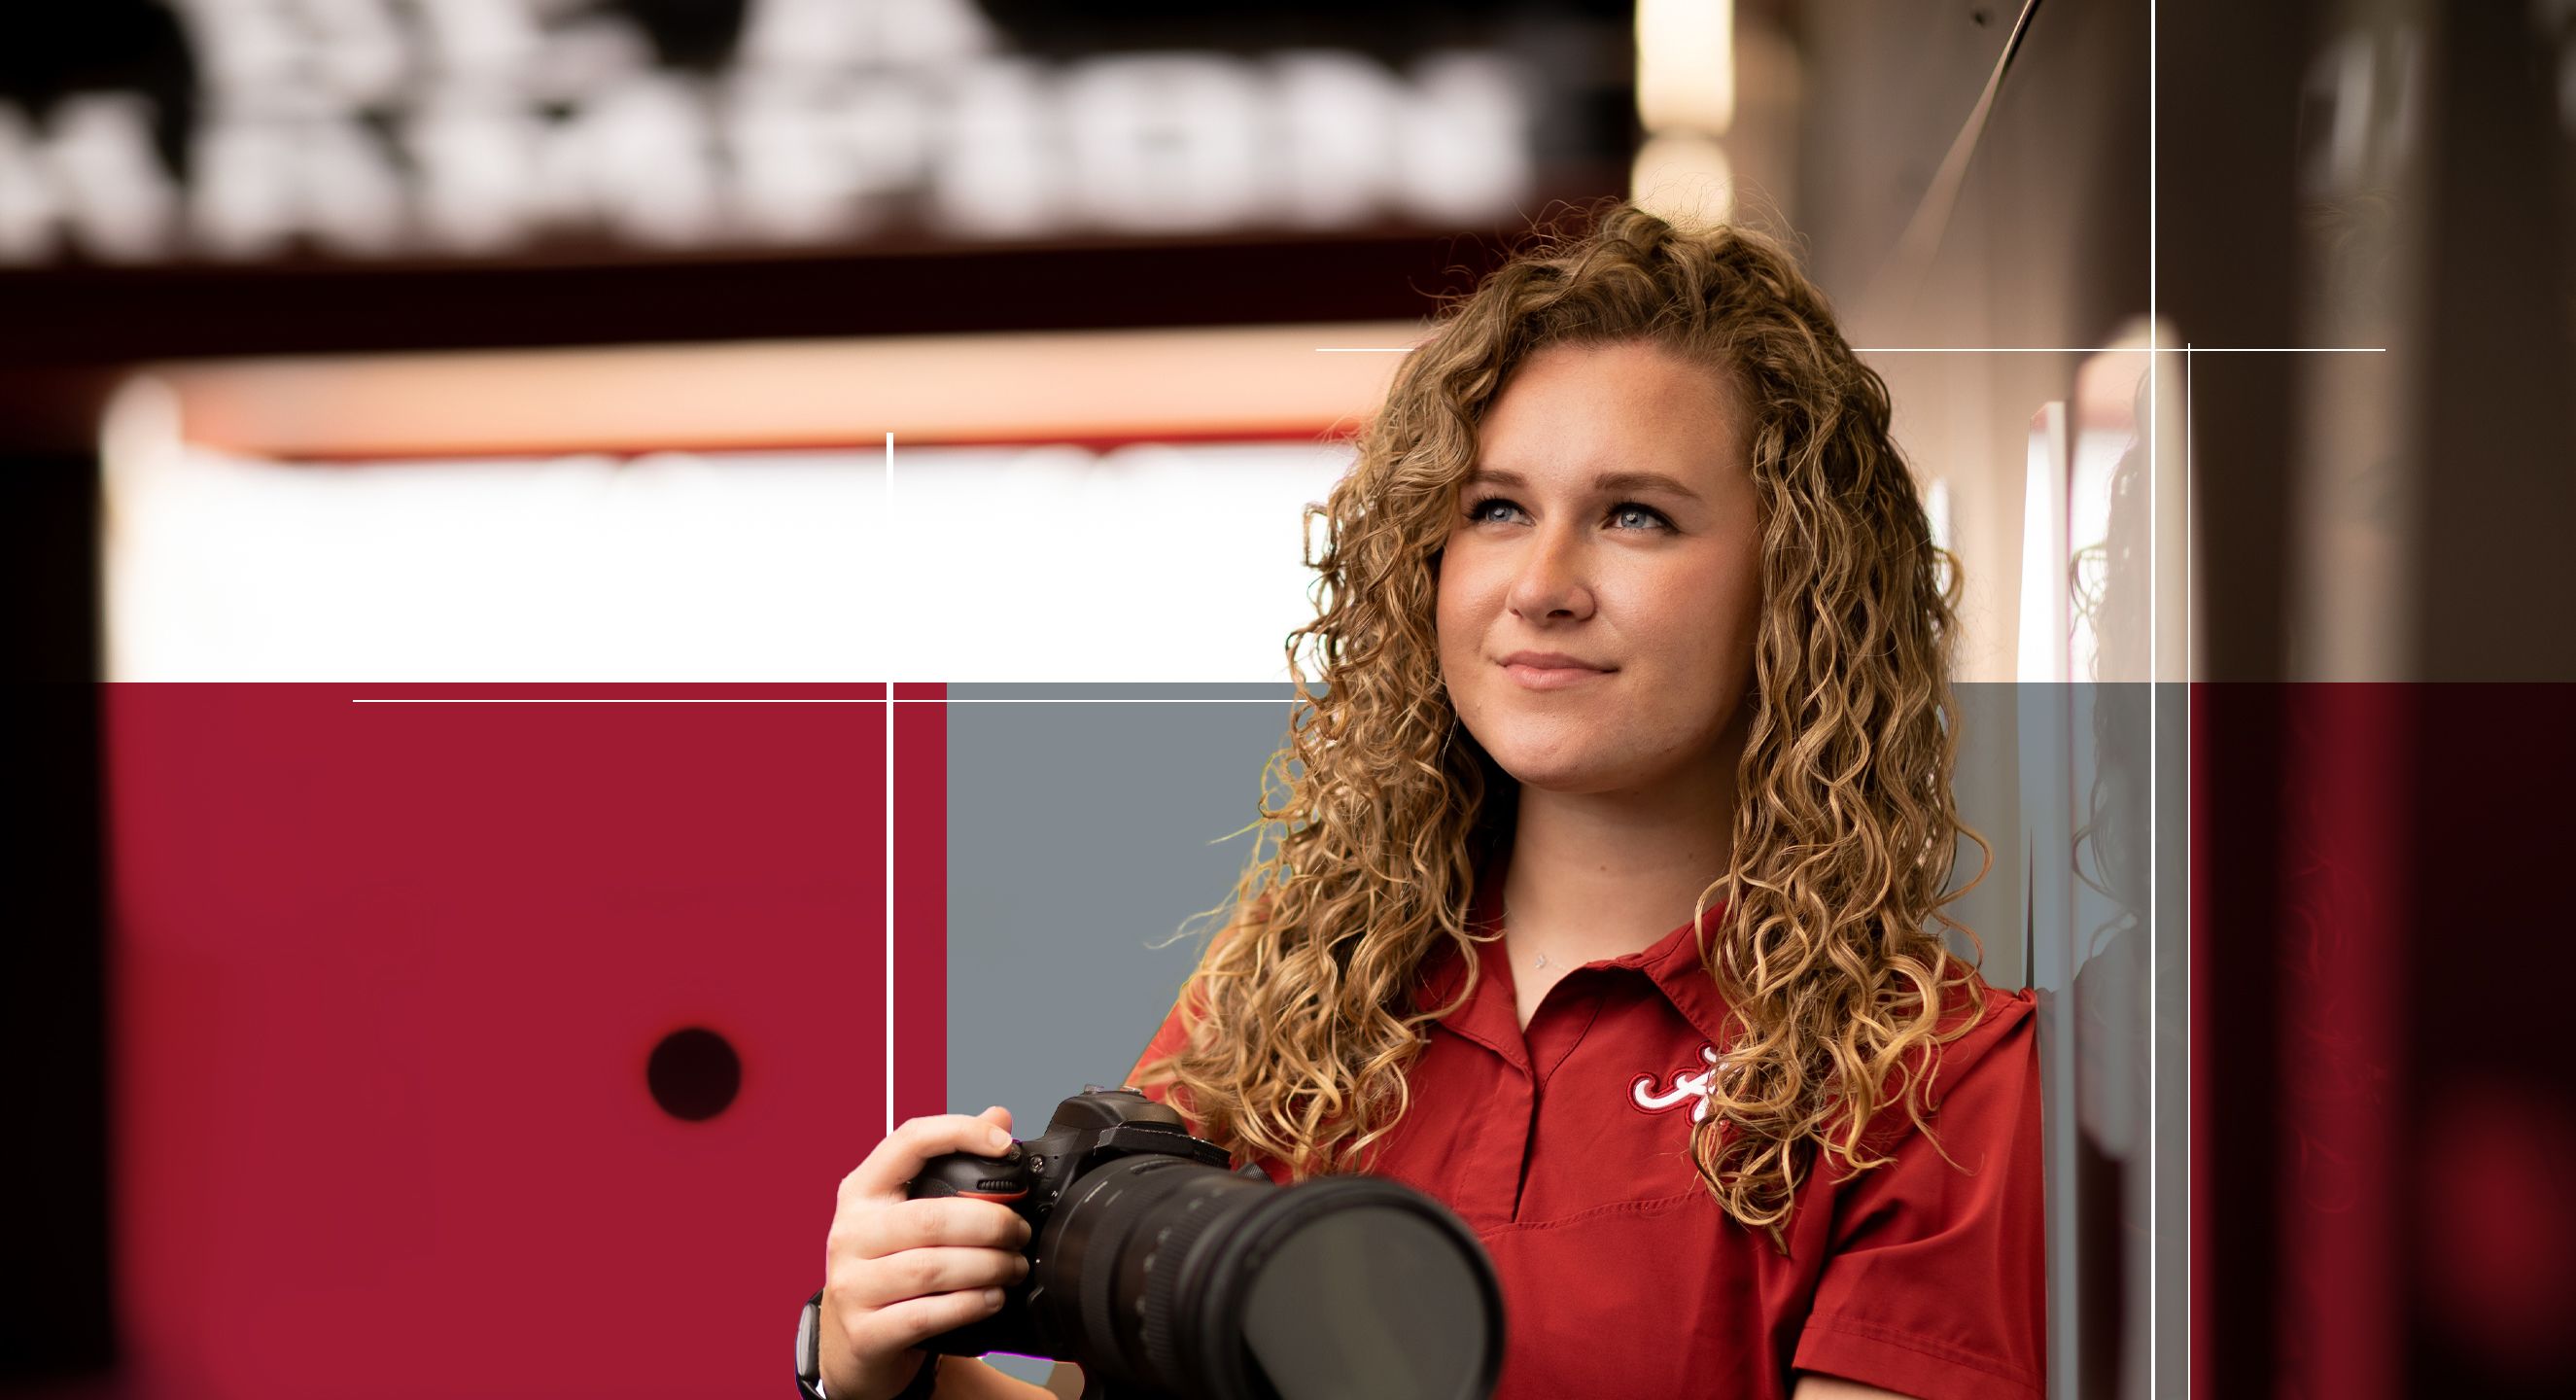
(1459, 609)
(1737, 589)
(1699, 615)
(1697, 635)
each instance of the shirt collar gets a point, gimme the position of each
(1489, 1018)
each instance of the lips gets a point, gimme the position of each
(1552, 660)
(1551, 670)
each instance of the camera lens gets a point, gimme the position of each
(1388, 1293)
(1171, 1277)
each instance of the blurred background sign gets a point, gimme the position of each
(247, 130)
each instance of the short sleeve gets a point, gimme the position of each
(1936, 1283)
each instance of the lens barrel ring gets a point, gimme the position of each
(1211, 1210)
(1130, 1189)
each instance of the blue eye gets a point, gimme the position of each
(1653, 519)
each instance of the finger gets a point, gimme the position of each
(999, 1115)
(933, 1221)
(920, 1273)
(908, 1323)
(898, 1158)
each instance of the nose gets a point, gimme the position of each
(1554, 578)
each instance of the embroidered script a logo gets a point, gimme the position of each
(1685, 1086)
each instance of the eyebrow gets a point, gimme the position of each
(1606, 483)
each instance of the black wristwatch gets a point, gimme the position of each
(809, 1358)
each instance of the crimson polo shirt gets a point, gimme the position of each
(1566, 1149)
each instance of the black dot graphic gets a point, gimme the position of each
(694, 1074)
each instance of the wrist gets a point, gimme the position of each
(917, 1384)
(827, 1370)
(970, 1378)
(924, 1380)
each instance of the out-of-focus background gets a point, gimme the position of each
(616, 593)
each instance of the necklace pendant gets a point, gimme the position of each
(1542, 960)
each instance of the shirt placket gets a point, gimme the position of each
(1556, 1031)
(1503, 1126)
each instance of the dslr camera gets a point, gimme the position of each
(1166, 1276)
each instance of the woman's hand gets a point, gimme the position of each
(897, 1271)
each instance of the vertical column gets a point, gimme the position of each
(919, 876)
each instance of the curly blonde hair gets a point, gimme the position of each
(1381, 807)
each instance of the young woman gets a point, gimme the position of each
(1630, 618)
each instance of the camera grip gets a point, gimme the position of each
(1003, 1179)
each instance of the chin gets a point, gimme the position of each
(1582, 756)
(1568, 768)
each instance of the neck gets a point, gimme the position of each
(1602, 875)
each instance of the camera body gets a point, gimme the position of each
(1089, 1130)
(1166, 1276)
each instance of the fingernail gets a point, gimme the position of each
(1000, 1140)
(992, 1297)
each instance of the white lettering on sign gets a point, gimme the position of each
(991, 176)
(379, 128)
(264, 183)
(803, 35)
(92, 178)
(1166, 143)
(814, 161)
(297, 57)
(1463, 144)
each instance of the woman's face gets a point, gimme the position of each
(1611, 520)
